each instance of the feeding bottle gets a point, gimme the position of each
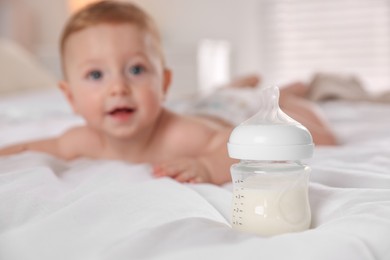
(270, 183)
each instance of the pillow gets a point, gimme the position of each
(327, 86)
(20, 71)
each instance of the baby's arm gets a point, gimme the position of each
(47, 146)
(65, 146)
(217, 160)
(185, 169)
(213, 166)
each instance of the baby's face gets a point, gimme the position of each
(115, 78)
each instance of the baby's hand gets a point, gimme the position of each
(183, 170)
(14, 149)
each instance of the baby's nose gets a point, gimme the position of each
(120, 87)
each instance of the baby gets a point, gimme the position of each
(115, 77)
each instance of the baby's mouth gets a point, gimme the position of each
(121, 111)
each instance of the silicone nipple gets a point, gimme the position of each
(270, 112)
(270, 134)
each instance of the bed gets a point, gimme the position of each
(88, 209)
(105, 209)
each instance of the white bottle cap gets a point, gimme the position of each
(270, 134)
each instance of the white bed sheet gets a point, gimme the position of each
(85, 209)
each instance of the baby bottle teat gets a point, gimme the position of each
(270, 134)
(270, 184)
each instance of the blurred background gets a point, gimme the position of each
(207, 42)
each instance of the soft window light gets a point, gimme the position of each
(213, 64)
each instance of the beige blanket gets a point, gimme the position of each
(346, 87)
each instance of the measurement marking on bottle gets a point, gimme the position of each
(238, 206)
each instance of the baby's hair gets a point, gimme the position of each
(111, 12)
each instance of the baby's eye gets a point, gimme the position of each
(95, 75)
(137, 69)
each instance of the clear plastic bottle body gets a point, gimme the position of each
(270, 197)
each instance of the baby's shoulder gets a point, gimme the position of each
(188, 124)
(80, 141)
(189, 131)
(81, 133)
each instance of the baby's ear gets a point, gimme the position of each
(167, 80)
(65, 88)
